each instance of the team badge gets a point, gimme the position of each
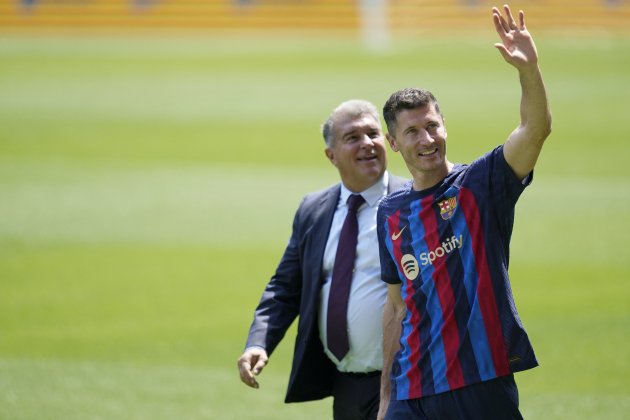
(447, 207)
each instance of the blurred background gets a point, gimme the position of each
(153, 152)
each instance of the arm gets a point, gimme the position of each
(517, 47)
(393, 314)
(278, 308)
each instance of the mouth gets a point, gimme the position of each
(429, 152)
(368, 158)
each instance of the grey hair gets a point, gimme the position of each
(353, 108)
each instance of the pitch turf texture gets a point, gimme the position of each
(147, 188)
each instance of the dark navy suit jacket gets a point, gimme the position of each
(294, 290)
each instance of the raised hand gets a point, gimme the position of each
(517, 46)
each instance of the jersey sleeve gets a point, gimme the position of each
(389, 271)
(497, 185)
(503, 185)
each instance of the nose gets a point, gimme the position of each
(424, 137)
(366, 140)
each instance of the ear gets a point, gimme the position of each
(392, 142)
(330, 155)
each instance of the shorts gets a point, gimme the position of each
(496, 399)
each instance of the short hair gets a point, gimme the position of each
(354, 108)
(408, 98)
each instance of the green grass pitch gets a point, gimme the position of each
(147, 188)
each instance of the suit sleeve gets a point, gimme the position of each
(280, 301)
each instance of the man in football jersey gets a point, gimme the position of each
(456, 339)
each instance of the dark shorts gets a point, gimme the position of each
(356, 395)
(496, 399)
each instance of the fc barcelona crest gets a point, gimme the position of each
(447, 207)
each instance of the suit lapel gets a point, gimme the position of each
(322, 217)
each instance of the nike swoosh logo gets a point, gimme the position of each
(396, 235)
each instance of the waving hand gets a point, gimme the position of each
(517, 46)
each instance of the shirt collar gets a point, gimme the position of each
(372, 195)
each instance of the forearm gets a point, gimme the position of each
(525, 143)
(535, 112)
(279, 304)
(392, 317)
(275, 313)
(391, 345)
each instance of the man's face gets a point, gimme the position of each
(358, 151)
(420, 136)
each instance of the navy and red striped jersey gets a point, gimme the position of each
(448, 247)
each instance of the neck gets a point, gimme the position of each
(424, 180)
(362, 185)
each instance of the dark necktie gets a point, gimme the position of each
(336, 324)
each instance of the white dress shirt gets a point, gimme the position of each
(367, 292)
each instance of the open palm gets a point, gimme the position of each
(517, 46)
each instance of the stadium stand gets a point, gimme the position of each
(404, 16)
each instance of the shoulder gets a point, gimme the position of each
(396, 183)
(490, 159)
(493, 164)
(393, 201)
(316, 203)
(316, 197)
(483, 166)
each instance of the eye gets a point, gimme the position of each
(374, 134)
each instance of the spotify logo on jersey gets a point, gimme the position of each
(410, 266)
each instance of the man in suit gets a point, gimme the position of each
(338, 355)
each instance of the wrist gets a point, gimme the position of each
(529, 71)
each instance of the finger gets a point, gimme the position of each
(251, 382)
(246, 375)
(499, 22)
(501, 31)
(510, 18)
(258, 367)
(504, 52)
(521, 20)
(244, 369)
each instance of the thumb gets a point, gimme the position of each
(260, 364)
(504, 52)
